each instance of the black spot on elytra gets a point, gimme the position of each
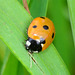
(53, 35)
(42, 17)
(45, 27)
(34, 26)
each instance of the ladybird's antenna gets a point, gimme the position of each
(26, 6)
(34, 62)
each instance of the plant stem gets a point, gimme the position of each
(26, 6)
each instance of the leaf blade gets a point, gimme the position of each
(58, 13)
(10, 65)
(38, 8)
(72, 16)
(13, 39)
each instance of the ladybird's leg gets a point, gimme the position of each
(23, 43)
(30, 62)
(25, 40)
(35, 62)
(31, 58)
(27, 31)
(30, 54)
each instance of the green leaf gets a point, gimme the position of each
(10, 65)
(13, 23)
(2, 53)
(58, 13)
(22, 70)
(71, 7)
(38, 7)
(2, 49)
(21, 1)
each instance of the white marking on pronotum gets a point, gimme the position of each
(35, 34)
(42, 45)
(28, 43)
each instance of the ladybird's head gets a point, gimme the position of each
(34, 46)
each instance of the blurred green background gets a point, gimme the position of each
(61, 12)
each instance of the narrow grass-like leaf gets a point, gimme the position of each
(21, 24)
(2, 53)
(4, 60)
(51, 58)
(22, 70)
(38, 7)
(0, 65)
(13, 23)
(58, 13)
(16, 46)
(71, 5)
(2, 49)
(10, 65)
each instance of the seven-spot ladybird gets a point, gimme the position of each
(41, 33)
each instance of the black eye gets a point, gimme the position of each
(53, 35)
(34, 26)
(45, 27)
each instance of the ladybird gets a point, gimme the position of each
(41, 33)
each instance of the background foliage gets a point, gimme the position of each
(58, 58)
